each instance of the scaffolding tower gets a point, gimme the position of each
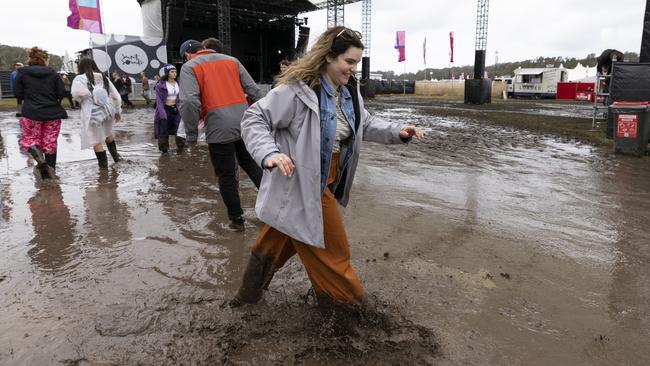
(366, 13)
(223, 24)
(478, 90)
(335, 13)
(482, 25)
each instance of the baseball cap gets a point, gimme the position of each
(190, 46)
(19, 64)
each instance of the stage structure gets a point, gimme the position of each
(479, 89)
(335, 10)
(260, 33)
(366, 13)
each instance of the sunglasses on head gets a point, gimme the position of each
(350, 33)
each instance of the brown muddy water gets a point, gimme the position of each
(481, 245)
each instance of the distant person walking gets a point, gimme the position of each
(12, 81)
(100, 108)
(213, 44)
(145, 88)
(41, 90)
(123, 85)
(215, 88)
(284, 64)
(66, 85)
(167, 118)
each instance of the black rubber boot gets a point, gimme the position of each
(180, 144)
(113, 150)
(102, 159)
(163, 137)
(163, 145)
(257, 277)
(237, 224)
(41, 164)
(51, 160)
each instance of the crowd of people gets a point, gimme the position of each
(299, 145)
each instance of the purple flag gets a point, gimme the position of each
(400, 45)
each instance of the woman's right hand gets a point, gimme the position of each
(282, 161)
(118, 117)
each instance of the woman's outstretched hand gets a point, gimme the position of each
(410, 131)
(282, 162)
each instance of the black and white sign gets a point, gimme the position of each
(129, 54)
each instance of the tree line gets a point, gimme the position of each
(501, 69)
(9, 55)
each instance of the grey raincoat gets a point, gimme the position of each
(287, 120)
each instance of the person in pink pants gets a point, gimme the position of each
(41, 90)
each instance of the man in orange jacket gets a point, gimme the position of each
(216, 88)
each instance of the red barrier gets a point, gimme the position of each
(575, 91)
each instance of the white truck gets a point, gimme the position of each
(539, 82)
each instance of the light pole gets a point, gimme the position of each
(496, 61)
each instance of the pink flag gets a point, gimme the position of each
(451, 45)
(400, 45)
(86, 15)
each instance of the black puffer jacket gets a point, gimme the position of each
(41, 89)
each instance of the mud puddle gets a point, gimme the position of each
(481, 245)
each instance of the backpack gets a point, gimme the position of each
(102, 109)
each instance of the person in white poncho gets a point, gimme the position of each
(100, 108)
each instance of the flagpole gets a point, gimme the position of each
(101, 28)
(404, 78)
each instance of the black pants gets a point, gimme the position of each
(125, 99)
(223, 160)
(169, 126)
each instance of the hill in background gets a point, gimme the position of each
(9, 55)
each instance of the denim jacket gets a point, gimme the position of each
(328, 124)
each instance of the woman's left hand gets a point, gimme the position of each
(118, 117)
(410, 131)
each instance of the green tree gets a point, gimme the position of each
(9, 55)
(502, 69)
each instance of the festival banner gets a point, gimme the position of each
(400, 45)
(129, 54)
(85, 15)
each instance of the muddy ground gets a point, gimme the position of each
(485, 244)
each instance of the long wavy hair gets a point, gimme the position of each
(333, 42)
(88, 66)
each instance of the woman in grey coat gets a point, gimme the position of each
(307, 134)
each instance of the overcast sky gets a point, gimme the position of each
(518, 29)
